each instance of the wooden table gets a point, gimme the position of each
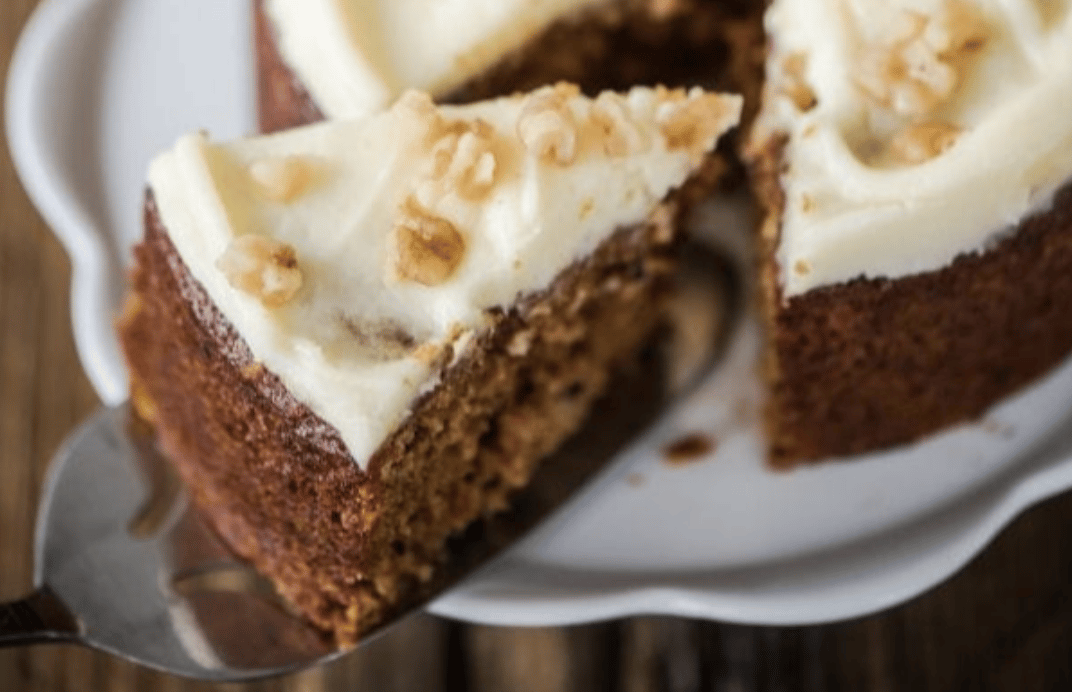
(1005, 622)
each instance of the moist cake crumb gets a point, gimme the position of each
(689, 449)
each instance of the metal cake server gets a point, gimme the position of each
(125, 564)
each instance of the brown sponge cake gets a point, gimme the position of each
(918, 235)
(346, 374)
(345, 545)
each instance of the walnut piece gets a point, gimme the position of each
(380, 338)
(429, 248)
(464, 159)
(613, 120)
(796, 85)
(262, 267)
(416, 109)
(462, 154)
(281, 179)
(922, 142)
(546, 125)
(693, 122)
(922, 64)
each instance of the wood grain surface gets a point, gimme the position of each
(1003, 623)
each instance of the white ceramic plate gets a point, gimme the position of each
(97, 86)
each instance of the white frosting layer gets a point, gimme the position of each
(358, 341)
(356, 56)
(856, 203)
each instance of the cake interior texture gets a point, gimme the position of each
(347, 546)
(917, 239)
(873, 363)
(854, 366)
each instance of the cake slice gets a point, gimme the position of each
(330, 59)
(915, 161)
(357, 337)
(346, 58)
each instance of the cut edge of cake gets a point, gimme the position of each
(870, 350)
(345, 541)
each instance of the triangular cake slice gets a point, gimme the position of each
(357, 337)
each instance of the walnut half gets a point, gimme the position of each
(463, 158)
(694, 121)
(429, 248)
(546, 125)
(262, 267)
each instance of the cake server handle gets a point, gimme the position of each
(39, 618)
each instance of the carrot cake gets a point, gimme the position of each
(355, 338)
(346, 58)
(914, 158)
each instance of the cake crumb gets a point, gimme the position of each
(429, 248)
(688, 450)
(520, 343)
(546, 125)
(613, 122)
(694, 121)
(802, 268)
(635, 480)
(262, 267)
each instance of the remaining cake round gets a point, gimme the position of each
(914, 158)
(357, 337)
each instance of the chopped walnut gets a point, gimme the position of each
(619, 132)
(694, 123)
(464, 159)
(796, 85)
(429, 248)
(383, 339)
(262, 267)
(922, 65)
(417, 110)
(281, 179)
(546, 125)
(922, 142)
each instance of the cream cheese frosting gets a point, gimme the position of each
(358, 257)
(915, 130)
(356, 56)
